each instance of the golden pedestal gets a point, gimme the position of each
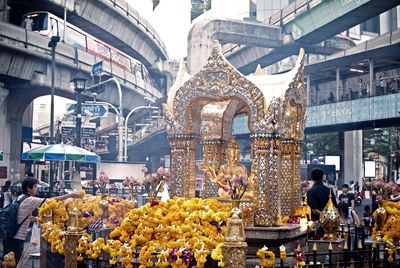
(71, 242)
(234, 248)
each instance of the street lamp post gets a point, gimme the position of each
(126, 127)
(120, 114)
(52, 43)
(79, 87)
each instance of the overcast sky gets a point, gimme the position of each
(171, 19)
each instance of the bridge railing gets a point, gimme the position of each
(385, 86)
(152, 127)
(28, 42)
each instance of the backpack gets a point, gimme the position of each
(9, 219)
(1, 200)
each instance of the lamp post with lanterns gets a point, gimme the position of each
(79, 86)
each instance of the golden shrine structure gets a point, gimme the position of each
(200, 110)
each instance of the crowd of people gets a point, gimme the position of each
(318, 196)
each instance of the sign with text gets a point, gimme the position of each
(88, 135)
(92, 109)
(360, 110)
(97, 68)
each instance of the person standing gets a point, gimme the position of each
(27, 206)
(6, 195)
(346, 197)
(318, 194)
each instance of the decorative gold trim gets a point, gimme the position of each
(204, 107)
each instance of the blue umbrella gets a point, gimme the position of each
(61, 152)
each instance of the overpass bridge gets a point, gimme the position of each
(306, 23)
(113, 21)
(25, 74)
(344, 115)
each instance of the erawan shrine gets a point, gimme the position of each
(243, 217)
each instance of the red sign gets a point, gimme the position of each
(3, 172)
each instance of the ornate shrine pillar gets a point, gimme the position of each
(290, 176)
(183, 165)
(266, 167)
(213, 155)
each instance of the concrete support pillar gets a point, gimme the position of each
(14, 125)
(353, 167)
(4, 132)
(385, 24)
(4, 11)
(308, 89)
(337, 83)
(398, 17)
(371, 91)
(11, 120)
(340, 180)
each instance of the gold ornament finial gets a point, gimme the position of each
(314, 248)
(330, 220)
(73, 220)
(345, 246)
(359, 244)
(258, 70)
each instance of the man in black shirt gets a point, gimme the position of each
(318, 194)
(346, 197)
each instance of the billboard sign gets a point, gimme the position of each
(88, 135)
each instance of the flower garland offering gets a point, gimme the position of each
(267, 257)
(216, 254)
(235, 186)
(391, 229)
(175, 233)
(182, 231)
(299, 257)
(282, 252)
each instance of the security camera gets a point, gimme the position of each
(149, 100)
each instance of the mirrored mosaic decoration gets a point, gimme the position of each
(201, 108)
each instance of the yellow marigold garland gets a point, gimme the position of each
(178, 228)
(267, 257)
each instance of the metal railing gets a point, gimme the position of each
(326, 96)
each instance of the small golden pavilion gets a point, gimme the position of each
(200, 110)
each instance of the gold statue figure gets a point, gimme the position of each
(228, 170)
(380, 215)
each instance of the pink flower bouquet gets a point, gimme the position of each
(235, 186)
(155, 182)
